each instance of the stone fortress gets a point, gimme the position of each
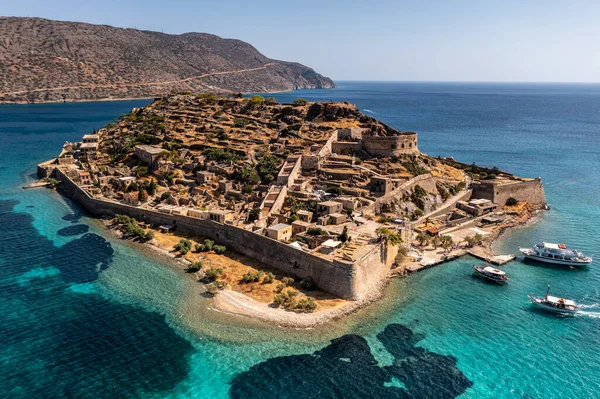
(281, 183)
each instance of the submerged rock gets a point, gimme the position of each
(347, 369)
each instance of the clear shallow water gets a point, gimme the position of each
(84, 314)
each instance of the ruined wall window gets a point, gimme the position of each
(394, 146)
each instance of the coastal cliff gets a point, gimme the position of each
(53, 61)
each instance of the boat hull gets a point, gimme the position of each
(561, 262)
(478, 273)
(549, 308)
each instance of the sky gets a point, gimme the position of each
(435, 40)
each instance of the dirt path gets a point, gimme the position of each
(120, 85)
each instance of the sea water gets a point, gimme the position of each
(84, 314)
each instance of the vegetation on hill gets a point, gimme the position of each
(89, 62)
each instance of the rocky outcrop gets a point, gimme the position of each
(43, 60)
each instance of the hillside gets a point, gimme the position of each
(43, 61)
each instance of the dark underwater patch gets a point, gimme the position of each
(73, 230)
(347, 369)
(82, 260)
(58, 343)
(72, 217)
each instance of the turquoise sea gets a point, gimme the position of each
(83, 314)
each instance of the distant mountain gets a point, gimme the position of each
(43, 60)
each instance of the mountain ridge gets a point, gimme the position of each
(43, 60)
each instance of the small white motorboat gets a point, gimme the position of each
(491, 274)
(554, 304)
(556, 254)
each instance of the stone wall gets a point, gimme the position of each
(42, 169)
(279, 200)
(522, 190)
(352, 280)
(427, 181)
(388, 146)
(313, 161)
(346, 147)
(295, 172)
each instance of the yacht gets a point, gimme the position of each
(557, 254)
(554, 304)
(491, 274)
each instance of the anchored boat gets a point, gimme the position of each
(491, 274)
(554, 304)
(557, 254)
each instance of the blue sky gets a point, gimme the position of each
(452, 40)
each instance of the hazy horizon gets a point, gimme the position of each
(437, 41)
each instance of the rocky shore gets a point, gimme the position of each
(241, 304)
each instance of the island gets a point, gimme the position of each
(291, 213)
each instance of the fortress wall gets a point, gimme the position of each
(447, 206)
(314, 161)
(279, 200)
(390, 145)
(326, 149)
(374, 267)
(42, 169)
(427, 181)
(310, 162)
(527, 190)
(295, 171)
(352, 280)
(345, 147)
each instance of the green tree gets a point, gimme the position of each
(256, 100)
(141, 170)
(511, 201)
(315, 231)
(344, 236)
(478, 238)
(268, 166)
(470, 240)
(183, 246)
(254, 214)
(219, 249)
(208, 245)
(151, 187)
(268, 278)
(422, 238)
(194, 267)
(299, 102)
(447, 242)
(247, 175)
(142, 195)
(213, 273)
(389, 236)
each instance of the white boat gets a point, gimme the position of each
(557, 254)
(491, 274)
(554, 304)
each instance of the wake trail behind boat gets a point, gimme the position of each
(369, 111)
(593, 315)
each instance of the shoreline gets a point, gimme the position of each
(145, 98)
(235, 303)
